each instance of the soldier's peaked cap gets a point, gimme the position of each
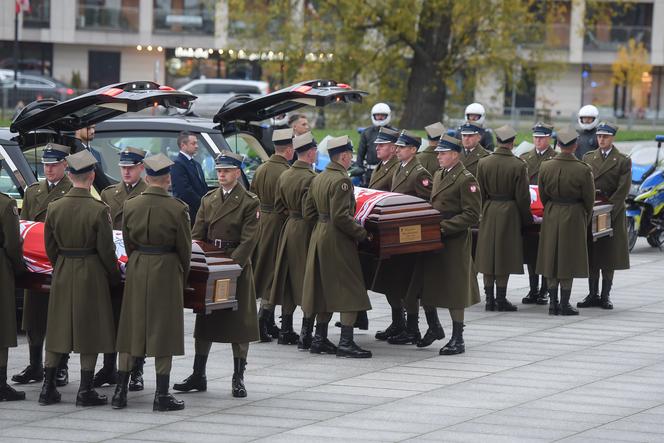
(54, 153)
(337, 145)
(606, 128)
(567, 136)
(542, 129)
(505, 134)
(157, 165)
(228, 160)
(435, 131)
(449, 143)
(408, 139)
(304, 142)
(387, 135)
(282, 136)
(468, 128)
(131, 156)
(81, 162)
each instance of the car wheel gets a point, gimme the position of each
(632, 234)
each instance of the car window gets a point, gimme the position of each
(7, 185)
(197, 89)
(247, 146)
(213, 88)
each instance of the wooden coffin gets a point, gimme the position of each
(600, 225)
(211, 284)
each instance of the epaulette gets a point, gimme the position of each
(251, 194)
(467, 173)
(419, 168)
(33, 185)
(178, 200)
(110, 187)
(211, 192)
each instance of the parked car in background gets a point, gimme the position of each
(212, 93)
(30, 87)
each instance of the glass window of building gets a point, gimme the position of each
(184, 16)
(39, 15)
(108, 15)
(625, 21)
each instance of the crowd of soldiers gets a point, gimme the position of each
(295, 236)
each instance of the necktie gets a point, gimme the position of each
(467, 151)
(51, 186)
(605, 154)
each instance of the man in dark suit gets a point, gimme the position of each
(187, 176)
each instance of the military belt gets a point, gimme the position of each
(224, 244)
(567, 201)
(156, 249)
(501, 197)
(449, 214)
(323, 218)
(267, 208)
(295, 214)
(77, 252)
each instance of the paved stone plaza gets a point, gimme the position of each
(525, 376)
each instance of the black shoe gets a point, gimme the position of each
(592, 300)
(7, 393)
(502, 303)
(456, 344)
(320, 344)
(411, 335)
(34, 371)
(237, 383)
(304, 343)
(554, 305)
(136, 375)
(197, 380)
(435, 330)
(108, 374)
(263, 329)
(49, 393)
(119, 400)
(543, 297)
(532, 295)
(397, 326)
(347, 346)
(490, 304)
(62, 374)
(163, 400)
(286, 335)
(605, 297)
(272, 327)
(87, 396)
(565, 307)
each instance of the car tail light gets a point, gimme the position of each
(70, 91)
(343, 85)
(112, 92)
(303, 89)
(166, 88)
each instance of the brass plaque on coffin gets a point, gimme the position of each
(222, 290)
(409, 234)
(603, 222)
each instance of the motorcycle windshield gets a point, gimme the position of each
(639, 170)
(653, 180)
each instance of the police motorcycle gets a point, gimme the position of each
(645, 204)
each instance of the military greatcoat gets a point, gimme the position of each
(264, 185)
(115, 196)
(447, 278)
(503, 180)
(11, 262)
(333, 280)
(35, 202)
(471, 160)
(613, 178)
(412, 179)
(567, 192)
(429, 159)
(151, 322)
(292, 189)
(234, 220)
(79, 242)
(381, 179)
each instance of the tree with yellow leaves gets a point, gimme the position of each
(630, 65)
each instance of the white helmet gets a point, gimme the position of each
(280, 120)
(588, 111)
(381, 108)
(475, 108)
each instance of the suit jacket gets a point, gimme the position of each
(188, 183)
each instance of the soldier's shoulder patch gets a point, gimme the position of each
(346, 185)
(426, 182)
(473, 187)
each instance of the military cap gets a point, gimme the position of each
(606, 128)
(505, 134)
(567, 136)
(449, 143)
(434, 131)
(81, 162)
(304, 142)
(228, 160)
(282, 136)
(54, 153)
(337, 145)
(131, 156)
(387, 135)
(157, 165)
(469, 128)
(408, 139)
(542, 129)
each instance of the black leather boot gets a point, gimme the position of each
(592, 300)
(397, 326)
(456, 344)
(565, 307)
(239, 364)
(502, 303)
(197, 380)
(119, 400)
(108, 374)
(49, 393)
(412, 333)
(490, 304)
(272, 327)
(263, 321)
(34, 371)
(87, 396)
(554, 305)
(136, 375)
(532, 295)
(543, 297)
(304, 343)
(347, 346)
(163, 400)
(606, 294)
(435, 330)
(320, 344)
(286, 335)
(7, 393)
(62, 374)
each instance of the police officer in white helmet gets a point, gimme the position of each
(476, 114)
(381, 115)
(588, 119)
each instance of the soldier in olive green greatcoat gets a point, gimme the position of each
(11, 263)
(35, 305)
(286, 290)
(264, 185)
(381, 178)
(228, 218)
(131, 168)
(428, 157)
(157, 235)
(79, 242)
(567, 191)
(543, 151)
(503, 180)
(447, 278)
(613, 176)
(333, 280)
